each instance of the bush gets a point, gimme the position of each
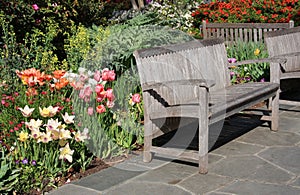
(176, 15)
(248, 11)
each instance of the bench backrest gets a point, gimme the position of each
(205, 59)
(284, 42)
(246, 32)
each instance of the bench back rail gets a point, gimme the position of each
(246, 32)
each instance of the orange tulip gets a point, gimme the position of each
(59, 73)
(61, 83)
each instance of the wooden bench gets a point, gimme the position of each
(191, 80)
(285, 43)
(246, 32)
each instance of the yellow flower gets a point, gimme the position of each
(23, 136)
(45, 112)
(26, 111)
(256, 52)
(48, 112)
(66, 153)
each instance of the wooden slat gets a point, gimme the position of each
(179, 153)
(241, 34)
(250, 33)
(245, 35)
(255, 35)
(236, 34)
(255, 30)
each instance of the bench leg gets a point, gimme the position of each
(147, 156)
(275, 112)
(203, 131)
(203, 145)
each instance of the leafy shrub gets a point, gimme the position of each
(248, 11)
(176, 15)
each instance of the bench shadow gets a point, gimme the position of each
(225, 131)
(231, 128)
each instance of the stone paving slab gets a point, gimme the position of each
(289, 124)
(200, 184)
(263, 136)
(252, 168)
(146, 188)
(286, 157)
(170, 173)
(71, 189)
(250, 188)
(296, 183)
(106, 178)
(235, 148)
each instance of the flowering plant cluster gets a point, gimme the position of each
(53, 130)
(41, 135)
(93, 86)
(250, 72)
(248, 11)
(176, 15)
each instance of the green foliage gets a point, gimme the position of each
(36, 50)
(250, 72)
(127, 129)
(8, 174)
(126, 38)
(83, 44)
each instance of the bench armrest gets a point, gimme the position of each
(277, 59)
(294, 54)
(195, 82)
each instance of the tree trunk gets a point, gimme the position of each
(141, 4)
(138, 6)
(134, 5)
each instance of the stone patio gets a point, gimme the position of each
(247, 159)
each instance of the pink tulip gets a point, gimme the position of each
(136, 98)
(100, 109)
(90, 111)
(109, 94)
(35, 7)
(97, 75)
(108, 75)
(110, 104)
(232, 60)
(99, 88)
